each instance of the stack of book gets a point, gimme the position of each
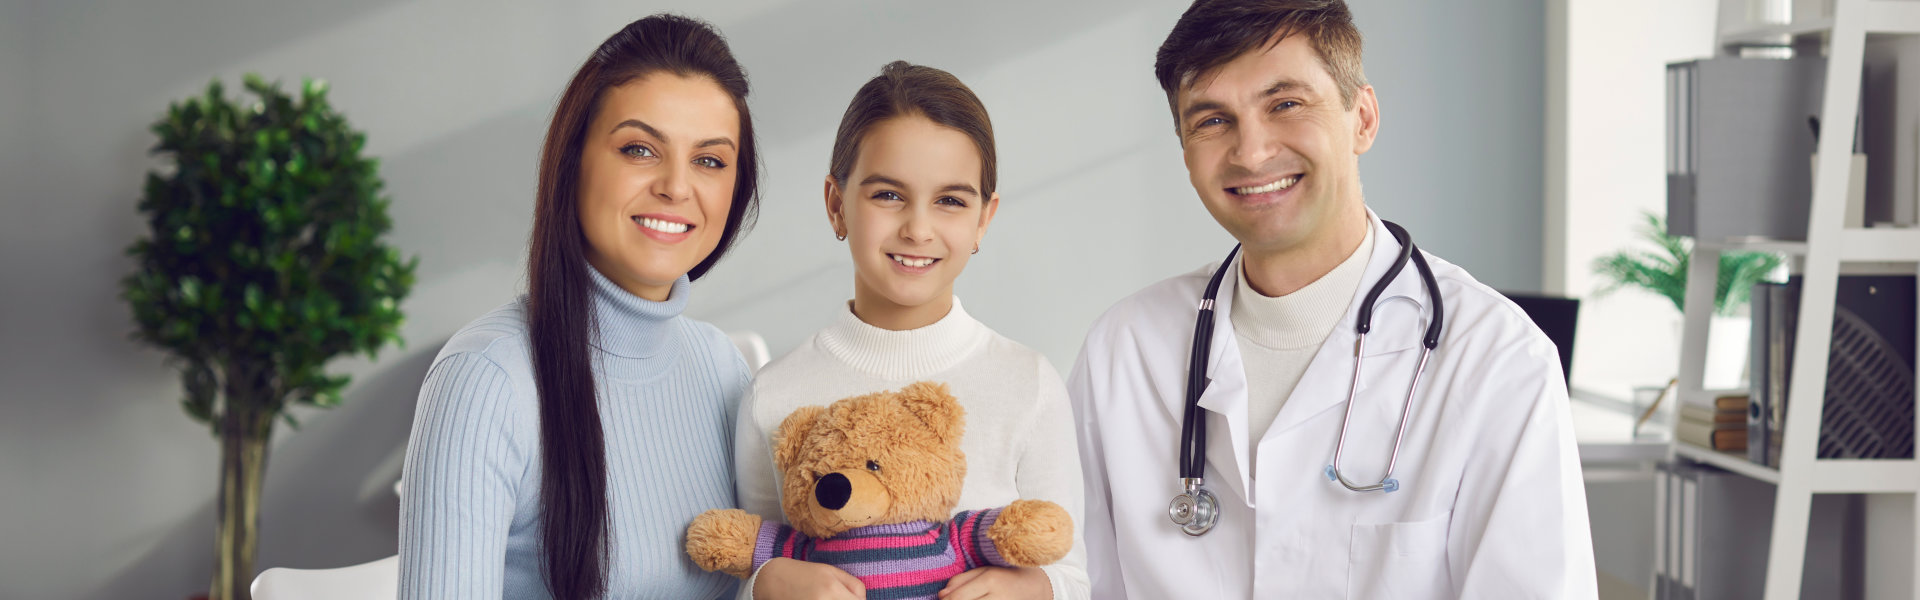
(1721, 425)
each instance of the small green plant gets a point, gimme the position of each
(263, 261)
(1665, 272)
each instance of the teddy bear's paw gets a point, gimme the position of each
(1031, 533)
(722, 540)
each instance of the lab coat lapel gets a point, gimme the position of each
(1400, 318)
(1225, 396)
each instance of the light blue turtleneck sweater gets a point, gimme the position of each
(668, 389)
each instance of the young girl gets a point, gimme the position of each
(911, 190)
(563, 442)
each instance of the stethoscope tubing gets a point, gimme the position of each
(1193, 431)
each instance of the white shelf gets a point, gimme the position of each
(1754, 244)
(1883, 17)
(1864, 476)
(1892, 245)
(1893, 16)
(1883, 244)
(1830, 476)
(1737, 463)
(1834, 250)
(1772, 32)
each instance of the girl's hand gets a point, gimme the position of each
(789, 579)
(1023, 583)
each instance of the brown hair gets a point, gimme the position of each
(1214, 32)
(573, 476)
(902, 89)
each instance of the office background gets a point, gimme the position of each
(107, 489)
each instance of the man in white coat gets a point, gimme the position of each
(1273, 111)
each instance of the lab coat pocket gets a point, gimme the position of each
(1399, 560)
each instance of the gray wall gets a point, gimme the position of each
(107, 489)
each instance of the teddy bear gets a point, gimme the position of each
(869, 485)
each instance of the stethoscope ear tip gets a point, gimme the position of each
(1331, 476)
(1392, 485)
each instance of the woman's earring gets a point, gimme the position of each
(843, 237)
(976, 248)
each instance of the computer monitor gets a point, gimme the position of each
(1556, 317)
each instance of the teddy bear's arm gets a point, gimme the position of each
(968, 532)
(779, 540)
(1027, 533)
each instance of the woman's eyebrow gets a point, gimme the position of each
(640, 125)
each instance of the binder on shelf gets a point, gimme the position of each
(1775, 311)
(1737, 146)
(1870, 370)
(1712, 528)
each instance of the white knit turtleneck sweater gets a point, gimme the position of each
(1019, 426)
(1279, 335)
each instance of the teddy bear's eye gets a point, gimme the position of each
(873, 466)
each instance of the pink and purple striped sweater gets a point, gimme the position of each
(902, 561)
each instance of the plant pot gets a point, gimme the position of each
(1727, 352)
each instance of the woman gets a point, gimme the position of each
(563, 441)
(910, 189)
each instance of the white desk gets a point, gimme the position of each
(1608, 450)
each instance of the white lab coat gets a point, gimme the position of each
(1491, 503)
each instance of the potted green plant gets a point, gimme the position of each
(1664, 272)
(263, 261)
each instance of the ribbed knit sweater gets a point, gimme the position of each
(900, 561)
(1279, 335)
(668, 390)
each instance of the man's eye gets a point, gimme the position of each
(636, 151)
(1286, 105)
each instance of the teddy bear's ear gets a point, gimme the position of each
(792, 432)
(937, 408)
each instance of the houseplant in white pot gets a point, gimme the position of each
(263, 261)
(1664, 272)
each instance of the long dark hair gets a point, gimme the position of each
(573, 480)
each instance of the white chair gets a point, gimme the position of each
(752, 347)
(377, 580)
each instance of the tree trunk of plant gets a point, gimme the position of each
(243, 463)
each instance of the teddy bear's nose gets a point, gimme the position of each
(833, 491)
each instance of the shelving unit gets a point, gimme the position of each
(1829, 244)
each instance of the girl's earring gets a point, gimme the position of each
(842, 237)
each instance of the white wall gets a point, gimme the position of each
(1615, 168)
(108, 486)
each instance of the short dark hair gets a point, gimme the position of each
(1214, 32)
(902, 89)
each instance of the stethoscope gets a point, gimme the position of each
(1197, 510)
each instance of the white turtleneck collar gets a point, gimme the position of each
(1304, 318)
(904, 355)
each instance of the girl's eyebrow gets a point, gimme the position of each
(963, 188)
(959, 187)
(882, 179)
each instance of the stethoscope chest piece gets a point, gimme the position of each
(1195, 511)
